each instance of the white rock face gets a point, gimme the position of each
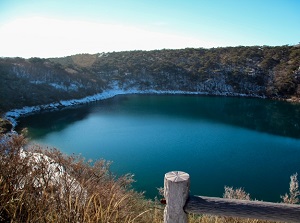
(53, 175)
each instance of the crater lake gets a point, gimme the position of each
(220, 141)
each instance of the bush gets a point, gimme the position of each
(39, 185)
(293, 196)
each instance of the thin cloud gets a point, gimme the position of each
(44, 37)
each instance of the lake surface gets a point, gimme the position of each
(239, 142)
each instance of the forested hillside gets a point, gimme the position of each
(272, 72)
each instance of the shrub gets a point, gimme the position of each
(39, 185)
(237, 193)
(293, 196)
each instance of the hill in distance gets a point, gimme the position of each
(256, 71)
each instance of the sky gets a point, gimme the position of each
(56, 28)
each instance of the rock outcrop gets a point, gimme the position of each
(271, 72)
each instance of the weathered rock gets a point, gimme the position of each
(5, 126)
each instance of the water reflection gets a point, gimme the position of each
(42, 124)
(273, 117)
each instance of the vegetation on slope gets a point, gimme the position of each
(5, 126)
(39, 81)
(272, 72)
(38, 185)
(33, 189)
(275, 68)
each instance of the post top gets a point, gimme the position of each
(177, 176)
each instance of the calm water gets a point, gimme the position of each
(240, 142)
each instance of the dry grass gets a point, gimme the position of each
(59, 188)
(38, 185)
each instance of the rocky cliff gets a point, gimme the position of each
(272, 72)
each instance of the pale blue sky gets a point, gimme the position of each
(48, 28)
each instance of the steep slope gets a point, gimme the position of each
(39, 81)
(272, 72)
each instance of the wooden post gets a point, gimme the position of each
(176, 192)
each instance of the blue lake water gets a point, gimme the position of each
(239, 142)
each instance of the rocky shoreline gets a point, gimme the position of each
(9, 119)
(14, 114)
